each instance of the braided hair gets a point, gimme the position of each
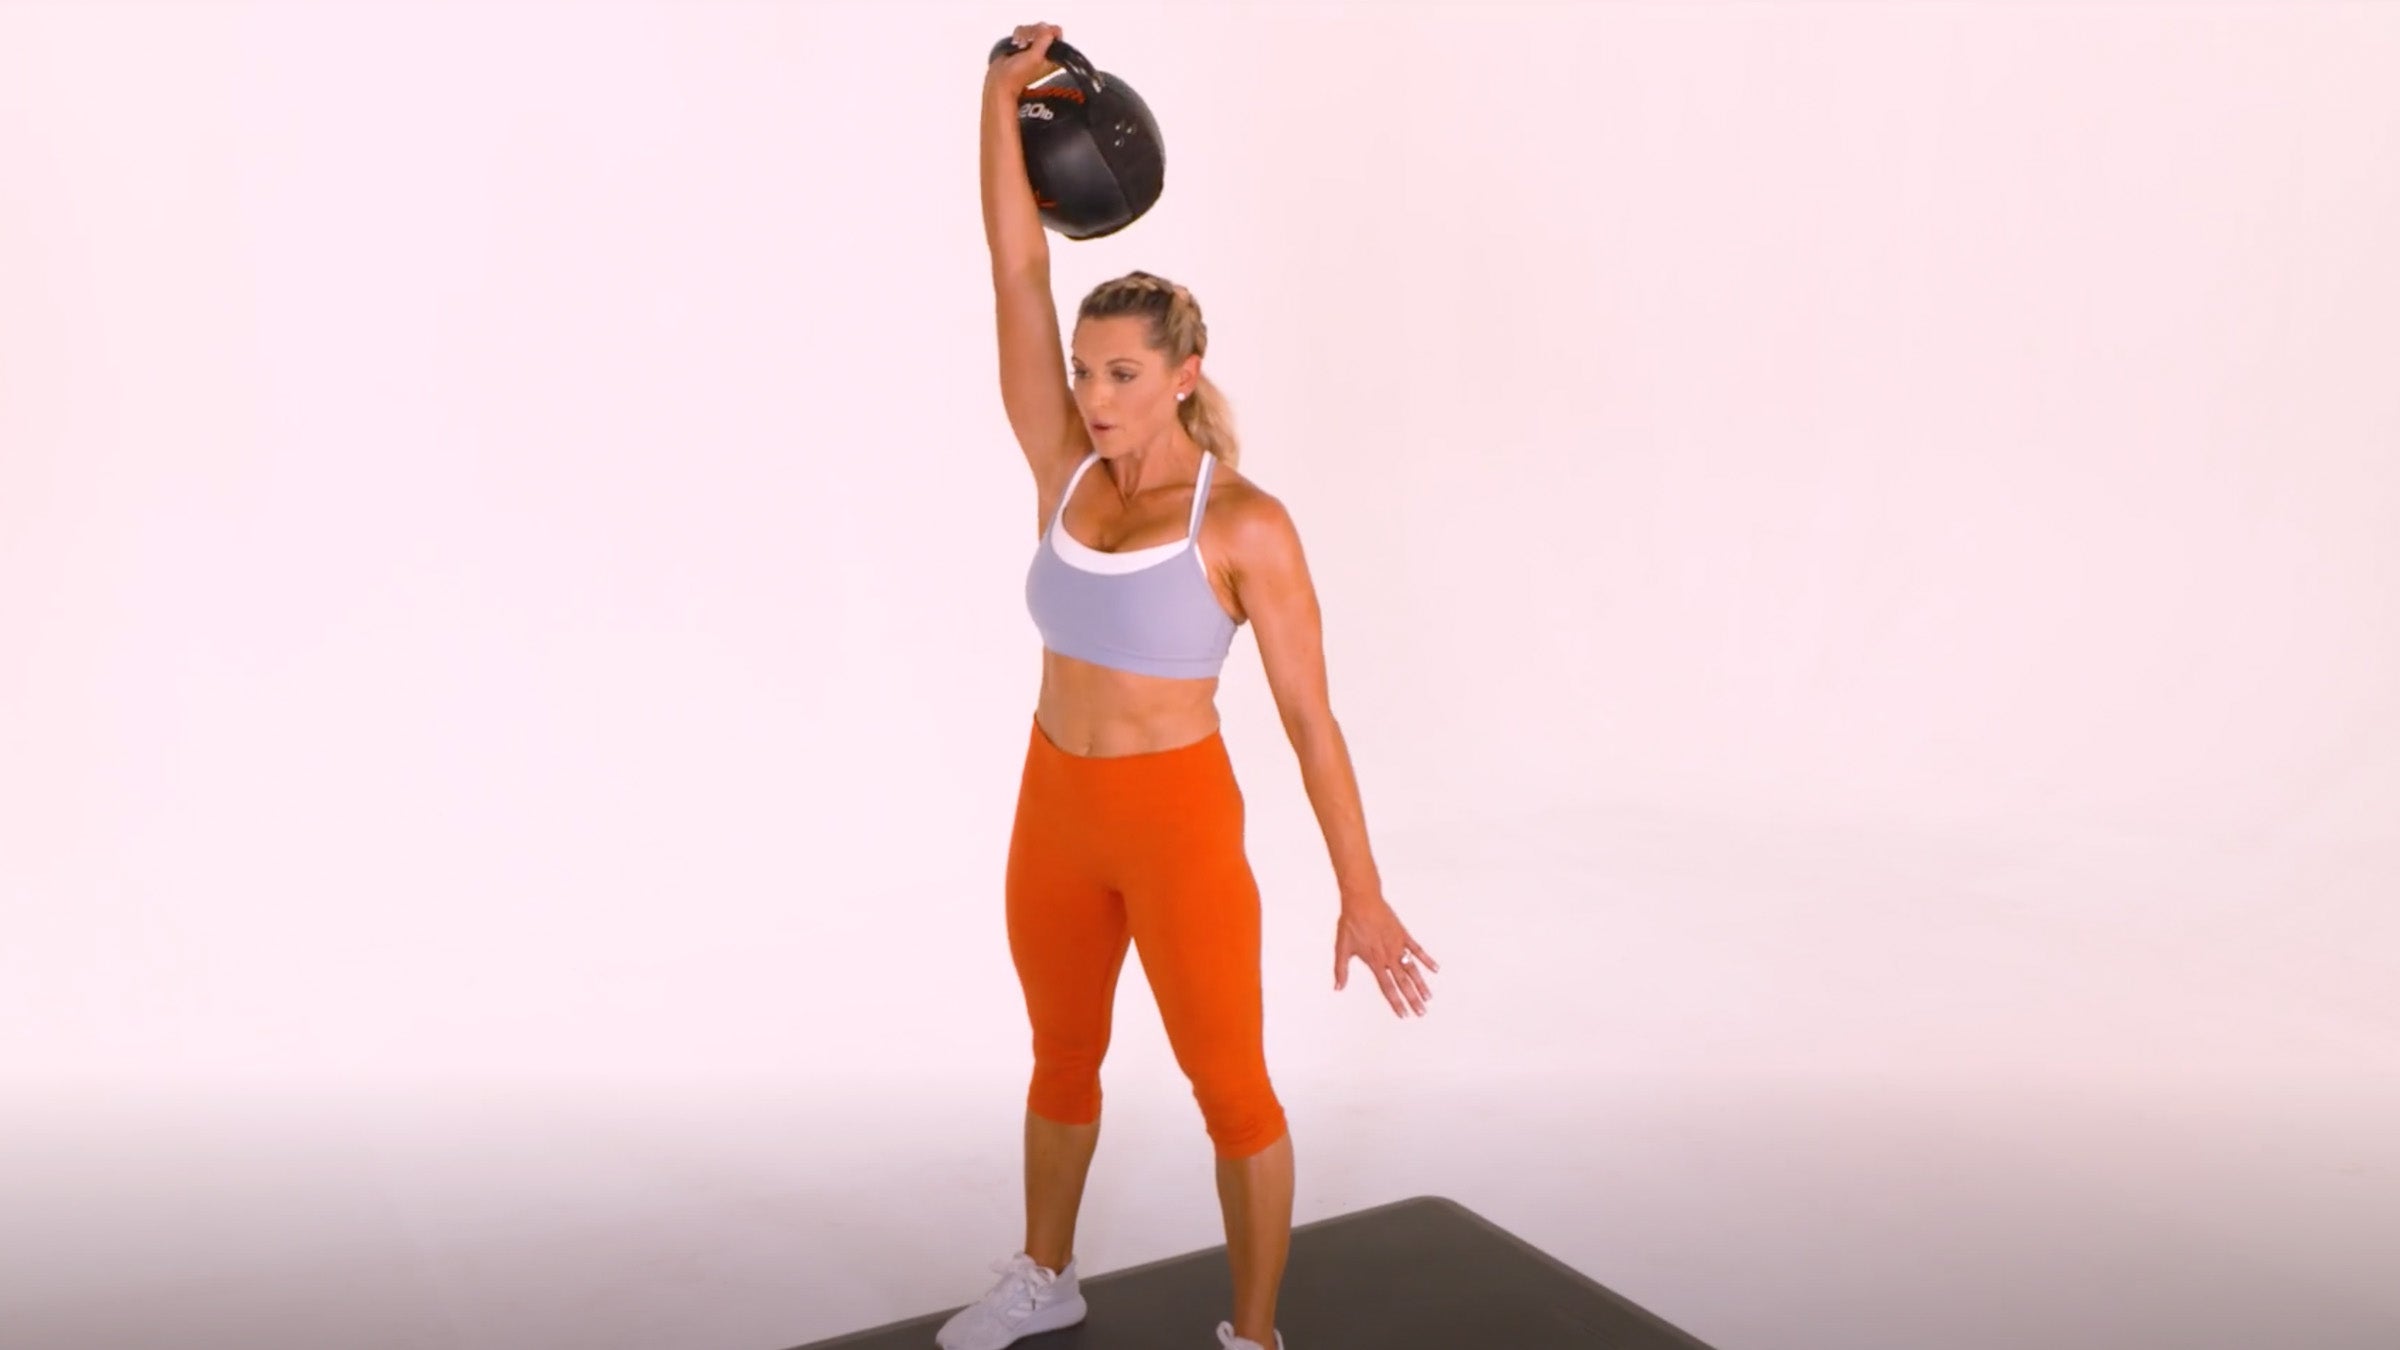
(1178, 331)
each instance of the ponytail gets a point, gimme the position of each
(1209, 419)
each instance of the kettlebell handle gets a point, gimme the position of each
(1069, 59)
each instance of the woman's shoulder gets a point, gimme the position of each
(1238, 500)
(1254, 524)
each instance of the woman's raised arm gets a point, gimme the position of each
(1033, 371)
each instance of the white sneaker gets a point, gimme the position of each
(1227, 1339)
(1028, 1298)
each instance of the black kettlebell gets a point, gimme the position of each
(1091, 146)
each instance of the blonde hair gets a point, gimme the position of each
(1177, 330)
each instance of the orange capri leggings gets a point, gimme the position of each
(1143, 849)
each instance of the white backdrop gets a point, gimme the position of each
(1861, 551)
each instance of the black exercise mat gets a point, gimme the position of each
(1421, 1274)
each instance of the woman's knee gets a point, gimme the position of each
(1065, 1086)
(1241, 1113)
(1067, 1100)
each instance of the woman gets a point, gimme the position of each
(1152, 551)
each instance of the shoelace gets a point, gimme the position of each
(1025, 1283)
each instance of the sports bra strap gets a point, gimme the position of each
(1200, 493)
(1208, 462)
(1068, 494)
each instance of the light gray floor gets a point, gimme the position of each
(2031, 1117)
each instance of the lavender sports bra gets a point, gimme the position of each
(1150, 610)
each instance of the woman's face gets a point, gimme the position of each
(1122, 384)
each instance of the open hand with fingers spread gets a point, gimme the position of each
(1371, 932)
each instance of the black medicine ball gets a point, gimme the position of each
(1091, 146)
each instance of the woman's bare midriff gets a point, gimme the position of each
(1091, 710)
